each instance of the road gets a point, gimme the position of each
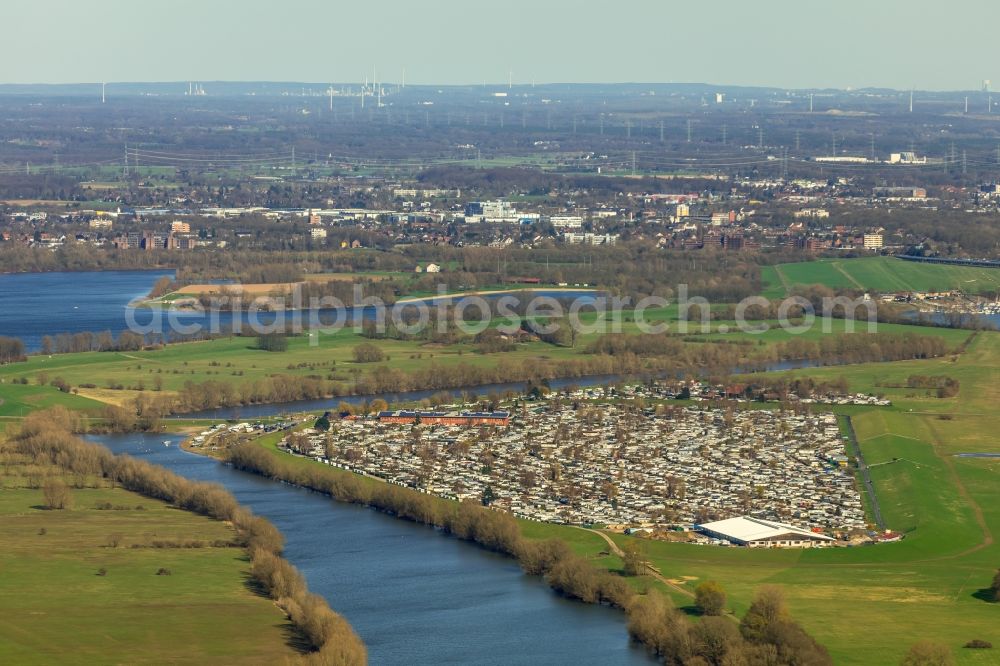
(865, 474)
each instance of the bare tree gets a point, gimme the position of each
(57, 494)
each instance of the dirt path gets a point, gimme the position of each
(865, 474)
(784, 280)
(615, 550)
(847, 275)
(490, 292)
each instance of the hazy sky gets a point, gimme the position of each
(928, 44)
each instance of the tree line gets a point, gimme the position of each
(767, 634)
(11, 350)
(616, 354)
(47, 437)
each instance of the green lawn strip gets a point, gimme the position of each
(55, 608)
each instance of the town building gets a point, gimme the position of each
(566, 221)
(873, 241)
(491, 211)
(589, 238)
(445, 418)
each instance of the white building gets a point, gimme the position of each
(873, 241)
(566, 221)
(590, 238)
(759, 533)
(491, 211)
(906, 158)
(317, 233)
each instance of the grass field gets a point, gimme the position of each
(20, 400)
(882, 274)
(55, 608)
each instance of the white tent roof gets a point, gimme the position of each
(754, 529)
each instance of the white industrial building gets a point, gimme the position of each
(760, 533)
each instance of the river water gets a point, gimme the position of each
(414, 595)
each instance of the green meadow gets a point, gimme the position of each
(55, 607)
(882, 274)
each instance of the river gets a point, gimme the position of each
(414, 595)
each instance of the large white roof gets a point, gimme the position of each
(745, 528)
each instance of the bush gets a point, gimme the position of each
(60, 384)
(710, 598)
(323, 423)
(272, 342)
(102, 572)
(57, 494)
(366, 352)
(927, 653)
(163, 572)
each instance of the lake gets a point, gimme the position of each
(33, 305)
(413, 594)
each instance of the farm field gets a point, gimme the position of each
(882, 274)
(56, 608)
